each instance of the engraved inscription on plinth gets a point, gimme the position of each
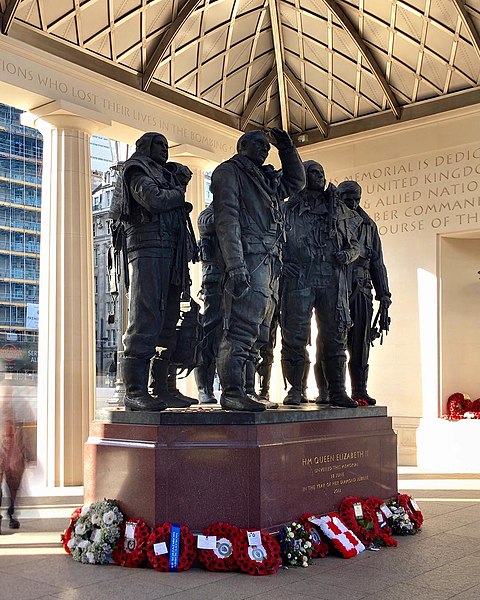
(337, 472)
(322, 466)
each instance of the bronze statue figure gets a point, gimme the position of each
(212, 319)
(249, 228)
(320, 243)
(367, 271)
(153, 213)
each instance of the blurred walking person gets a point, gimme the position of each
(12, 459)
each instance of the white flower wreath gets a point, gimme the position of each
(96, 531)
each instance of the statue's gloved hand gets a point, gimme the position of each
(341, 257)
(290, 270)
(280, 139)
(385, 301)
(238, 283)
(188, 207)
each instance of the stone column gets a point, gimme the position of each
(66, 357)
(196, 195)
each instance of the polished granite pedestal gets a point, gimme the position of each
(255, 470)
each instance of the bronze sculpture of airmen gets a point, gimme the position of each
(248, 223)
(320, 242)
(154, 214)
(367, 271)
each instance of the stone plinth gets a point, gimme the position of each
(255, 470)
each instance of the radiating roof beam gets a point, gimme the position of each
(312, 109)
(8, 15)
(279, 62)
(167, 39)
(366, 53)
(468, 23)
(254, 101)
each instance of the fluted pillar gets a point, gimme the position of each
(66, 352)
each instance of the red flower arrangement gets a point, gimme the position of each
(412, 510)
(461, 407)
(343, 540)
(222, 558)
(386, 533)
(475, 407)
(364, 524)
(362, 402)
(261, 559)
(159, 548)
(131, 547)
(457, 406)
(67, 534)
(320, 547)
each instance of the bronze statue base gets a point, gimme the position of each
(254, 470)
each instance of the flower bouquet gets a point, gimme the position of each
(295, 545)
(400, 521)
(96, 530)
(412, 509)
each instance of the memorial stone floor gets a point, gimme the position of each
(443, 561)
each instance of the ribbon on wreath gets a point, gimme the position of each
(174, 551)
(171, 547)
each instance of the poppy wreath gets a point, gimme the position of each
(258, 560)
(343, 540)
(131, 551)
(66, 536)
(320, 548)
(385, 530)
(186, 553)
(457, 406)
(367, 528)
(411, 509)
(222, 558)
